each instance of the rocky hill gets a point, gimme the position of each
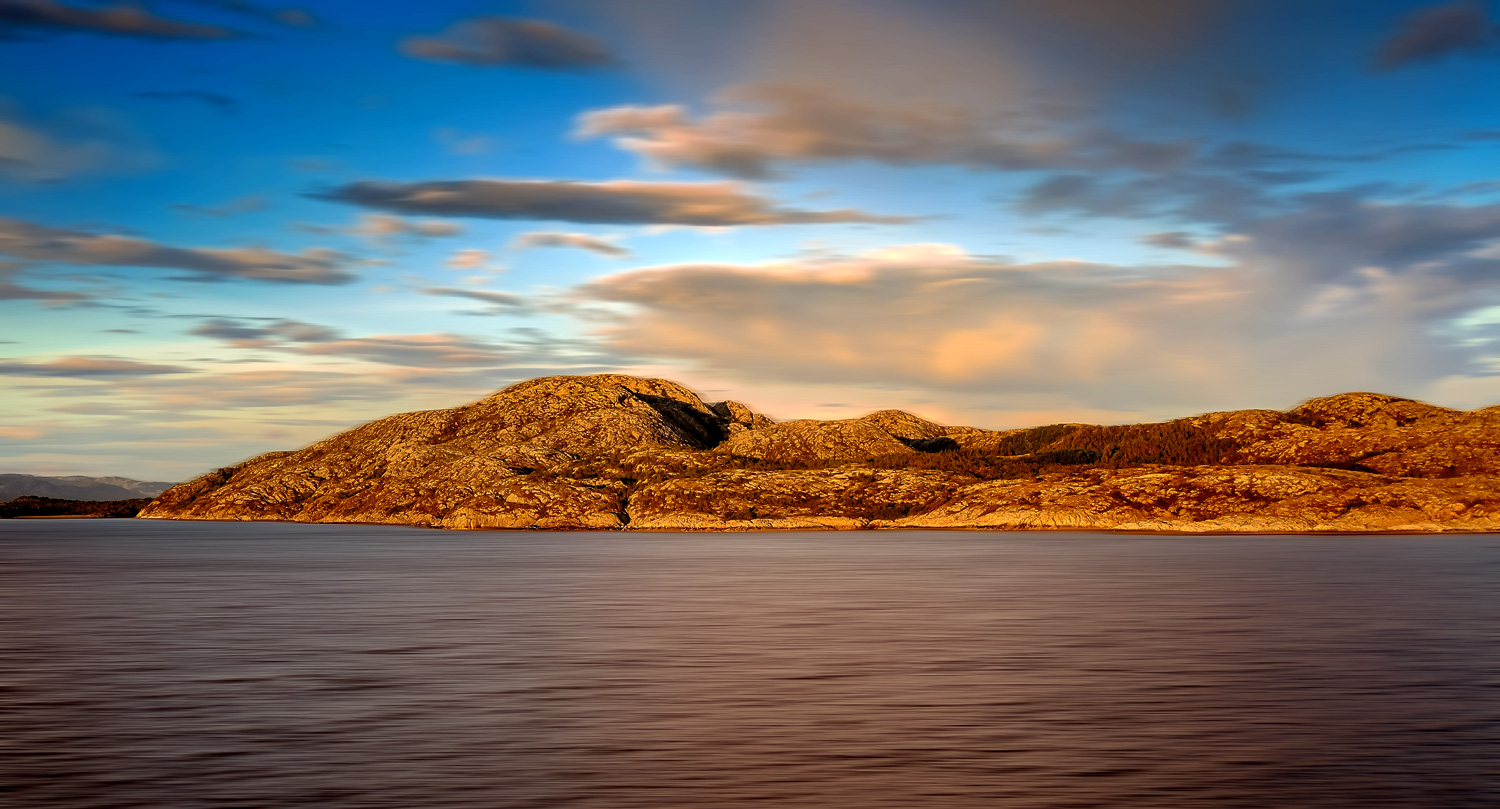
(610, 451)
(78, 487)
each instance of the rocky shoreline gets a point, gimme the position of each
(612, 452)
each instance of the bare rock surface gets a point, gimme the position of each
(611, 451)
(885, 432)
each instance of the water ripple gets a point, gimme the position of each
(242, 665)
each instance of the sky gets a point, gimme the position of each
(230, 226)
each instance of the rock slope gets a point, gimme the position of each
(611, 451)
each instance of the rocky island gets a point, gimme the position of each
(620, 452)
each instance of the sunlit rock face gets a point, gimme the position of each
(612, 451)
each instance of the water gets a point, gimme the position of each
(257, 665)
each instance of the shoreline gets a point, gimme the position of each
(828, 529)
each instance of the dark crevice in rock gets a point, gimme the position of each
(940, 444)
(704, 430)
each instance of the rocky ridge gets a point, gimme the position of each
(612, 451)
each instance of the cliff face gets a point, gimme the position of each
(610, 451)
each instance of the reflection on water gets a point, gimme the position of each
(244, 665)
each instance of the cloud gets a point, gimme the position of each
(295, 17)
(505, 302)
(469, 259)
(86, 368)
(494, 41)
(26, 240)
(20, 433)
(234, 207)
(1437, 32)
(618, 202)
(459, 143)
(577, 241)
(122, 19)
(1197, 195)
(1134, 24)
(407, 350)
(1373, 302)
(19, 292)
(415, 350)
(761, 127)
(217, 102)
(1341, 237)
(1171, 240)
(381, 228)
(74, 142)
(242, 333)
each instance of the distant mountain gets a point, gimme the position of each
(611, 452)
(78, 487)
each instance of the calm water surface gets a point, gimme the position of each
(257, 665)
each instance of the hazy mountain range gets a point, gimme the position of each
(78, 487)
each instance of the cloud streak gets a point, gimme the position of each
(40, 243)
(404, 350)
(576, 241)
(72, 143)
(218, 102)
(235, 207)
(241, 333)
(415, 350)
(497, 41)
(121, 19)
(1437, 32)
(500, 302)
(760, 128)
(19, 292)
(87, 368)
(618, 202)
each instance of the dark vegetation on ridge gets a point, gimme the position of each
(30, 506)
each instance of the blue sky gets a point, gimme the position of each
(228, 227)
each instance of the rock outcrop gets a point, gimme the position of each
(610, 451)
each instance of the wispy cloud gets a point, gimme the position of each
(461, 143)
(27, 240)
(499, 302)
(74, 142)
(10, 291)
(627, 202)
(496, 41)
(761, 128)
(235, 207)
(577, 241)
(121, 19)
(86, 368)
(381, 228)
(242, 333)
(218, 102)
(286, 15)
(416, 350)
(1437, 32)
(469, 259)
